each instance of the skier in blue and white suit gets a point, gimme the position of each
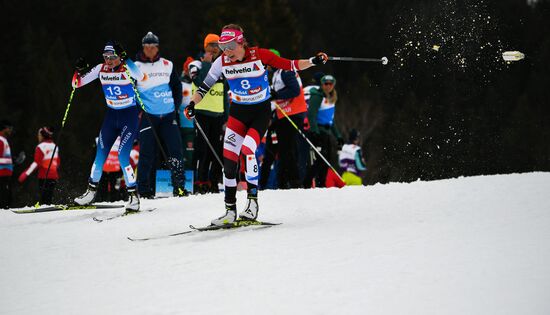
(161, 95)
(121, 118)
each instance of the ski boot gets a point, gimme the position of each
(88, 197)
(133, 201)
(229, 217)
(251, 211)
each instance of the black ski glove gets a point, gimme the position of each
(189, 110)
(321, 58)
(81, 66)
(274, 94)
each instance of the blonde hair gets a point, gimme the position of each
(332, 96)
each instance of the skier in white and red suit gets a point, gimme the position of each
(250, 110)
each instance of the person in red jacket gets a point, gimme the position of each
(43, 155)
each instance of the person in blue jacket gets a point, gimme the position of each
(161, 95)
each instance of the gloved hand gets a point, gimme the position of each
(81, 65)
(22, 177)
(190, 110)
(119, 50)
(321, 58)
(274, 94)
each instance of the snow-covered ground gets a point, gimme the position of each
(477, 245)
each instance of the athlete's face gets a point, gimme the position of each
(150, 50)
(234, 52)
(111, 60)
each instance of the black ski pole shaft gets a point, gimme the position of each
(157, 139)
(309, 142)
(382, 60)
(58, 136)
(208, 142)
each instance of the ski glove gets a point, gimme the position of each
(321, 58)
(189, 110)
(81, 65)
(120, 51)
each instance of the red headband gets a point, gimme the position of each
(231, 34)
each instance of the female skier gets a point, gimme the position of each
(121, 118)
(249, 113)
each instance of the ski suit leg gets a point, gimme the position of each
(170, 136)
(233, 140)
(128, 126)
(107, 136)
(147, 153)
(245, 125)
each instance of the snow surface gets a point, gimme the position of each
(477, 245)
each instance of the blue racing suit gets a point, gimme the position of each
(121, 118)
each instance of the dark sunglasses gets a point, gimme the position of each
(328, 83)
(110, 57)
(228, 46)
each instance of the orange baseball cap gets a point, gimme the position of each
(211, 38)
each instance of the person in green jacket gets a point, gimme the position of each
(323, 131)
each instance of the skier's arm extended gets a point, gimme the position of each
(81, 80)
(269, 58)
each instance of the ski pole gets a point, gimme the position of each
(58, 137)
(383, 60)
(157, 139)
(208, 142)
(309, 142)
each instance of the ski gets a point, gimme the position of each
(234, 225)
(119, 215)
(67, 208)
(135, 239)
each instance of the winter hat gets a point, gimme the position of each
(275, 51)
(353, 135)
(109, 47)
(211, 39)
(46, 132)
(328, 78)
(150, 38)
